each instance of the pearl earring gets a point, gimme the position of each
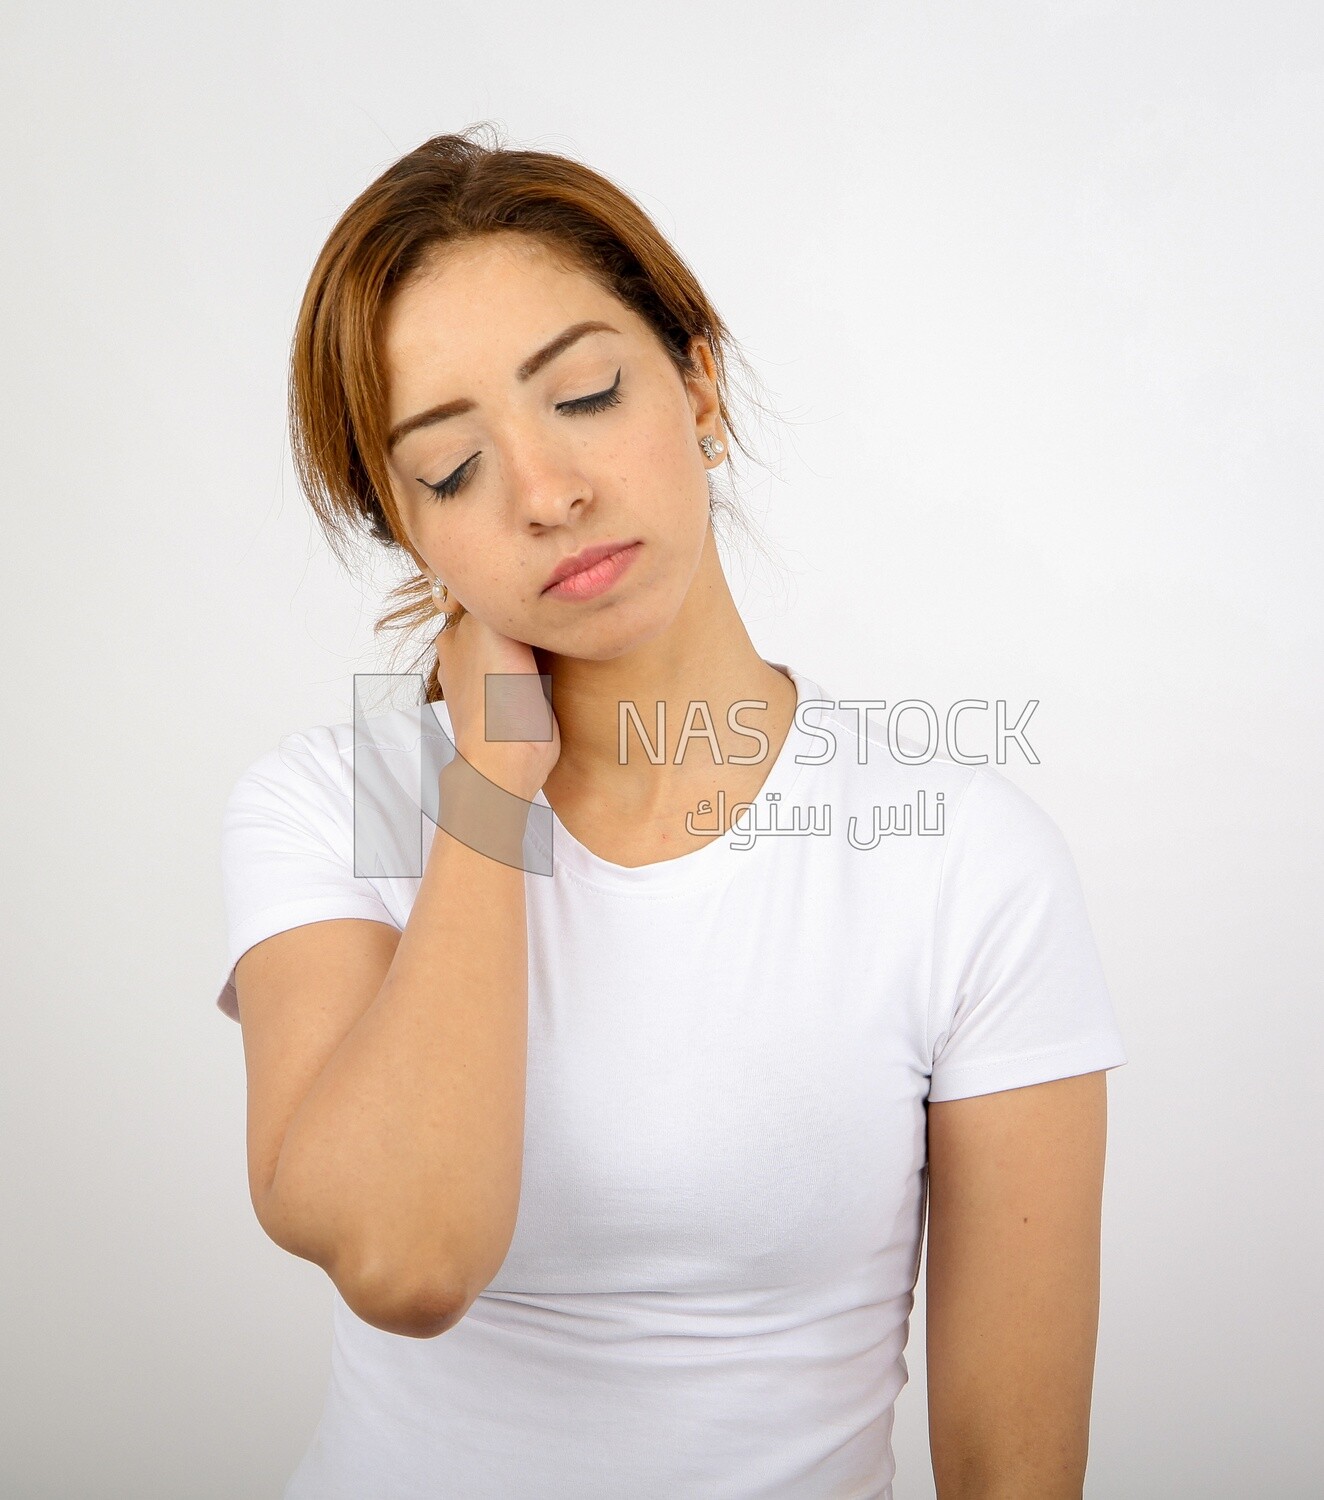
(440, 594)
(711, 446)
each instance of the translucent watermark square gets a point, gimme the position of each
(398, 760)
(517, 707)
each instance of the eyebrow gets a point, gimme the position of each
(526, 371)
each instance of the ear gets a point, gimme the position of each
(701, 386)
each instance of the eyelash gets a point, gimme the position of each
(584, 405)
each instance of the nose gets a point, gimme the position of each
(548, 481)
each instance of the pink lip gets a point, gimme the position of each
(583, 559)
(598, 575)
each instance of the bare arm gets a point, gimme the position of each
(1015, 1200)
(387, 1111)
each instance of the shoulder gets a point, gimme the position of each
(865, 751)
(999, 827)
(304, 761)
(329, 756)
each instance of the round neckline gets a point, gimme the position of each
(712, 862)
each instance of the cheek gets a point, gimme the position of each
(478, 563)
(660, 465)
(442, 546)
(657, 437)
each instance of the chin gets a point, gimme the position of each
(609, 634)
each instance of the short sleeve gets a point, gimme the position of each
(287, 849)
(1018, 990)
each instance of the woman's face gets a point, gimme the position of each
(530, 473)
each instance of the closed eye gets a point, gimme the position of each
(582, 405)
(599, 402)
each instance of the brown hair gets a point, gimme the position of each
(453, 188)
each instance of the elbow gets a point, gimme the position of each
(389, 1292)
(416, 1306)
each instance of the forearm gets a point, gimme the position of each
(400, 1172)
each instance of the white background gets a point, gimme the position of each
(1036, 288)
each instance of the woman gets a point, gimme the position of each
(614, 1123)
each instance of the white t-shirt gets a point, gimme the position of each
(708, 1292)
